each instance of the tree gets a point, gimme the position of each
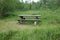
(7, 5)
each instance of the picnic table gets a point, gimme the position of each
(24, 18)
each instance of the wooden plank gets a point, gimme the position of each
(29, 15)
(30, 19)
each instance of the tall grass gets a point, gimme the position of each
(31, 34)
(48, 28)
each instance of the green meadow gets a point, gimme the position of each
(47, 29)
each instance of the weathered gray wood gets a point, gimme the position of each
(30, 15)
(30, 18)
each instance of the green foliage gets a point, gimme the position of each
(31, 34)
(47, 29)
(12, 5)
(7, 5)
(7, 35)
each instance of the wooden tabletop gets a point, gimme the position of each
(29, 15)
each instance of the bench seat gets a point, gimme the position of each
(29, 19)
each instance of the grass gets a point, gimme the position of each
(47, 29)
(31, 34)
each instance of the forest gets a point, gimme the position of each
(47, 29)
